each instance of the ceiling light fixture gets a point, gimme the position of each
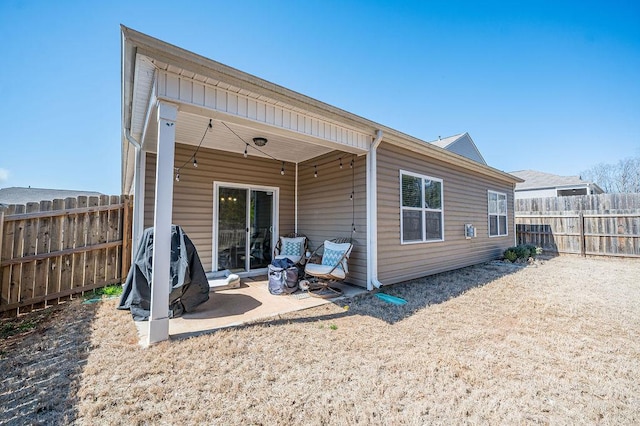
(260, 141)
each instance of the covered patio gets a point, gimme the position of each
(237, 162)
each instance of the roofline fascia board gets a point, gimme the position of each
(127, 76)
(561, 187)
(574, 186)
(127, 79)
(537, 188)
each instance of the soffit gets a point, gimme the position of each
(191, 129)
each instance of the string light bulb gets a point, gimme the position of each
(282, 169)
(340, 162)
(351, 195)
(195, 162)
(177, 177)
(315, 171)
(351, 165)
(246, 147)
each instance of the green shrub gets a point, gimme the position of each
(510, 254)
(533, 250)
(522, 252)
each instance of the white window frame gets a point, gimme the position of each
(422, 209)
(498, 214)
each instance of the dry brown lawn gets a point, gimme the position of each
(557, 342)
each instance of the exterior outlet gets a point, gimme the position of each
(469, 231)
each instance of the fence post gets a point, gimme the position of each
(583, 243)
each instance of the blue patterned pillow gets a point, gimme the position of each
(332, 257)
(292, 248)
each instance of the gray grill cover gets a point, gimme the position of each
(189, 286)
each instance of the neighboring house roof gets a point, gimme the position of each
(534, 179)
(461, 144)
(18, 195)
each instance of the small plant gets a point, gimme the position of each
(510, 254)
(531, 249)
(333, 327)
(521, 252)
(112, 290)
(12, 328)
(108, 291)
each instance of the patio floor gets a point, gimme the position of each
(232, 307)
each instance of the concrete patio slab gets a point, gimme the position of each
(237, 306)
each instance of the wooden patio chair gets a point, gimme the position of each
(333, 256)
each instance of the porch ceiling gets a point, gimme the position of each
(191, 127)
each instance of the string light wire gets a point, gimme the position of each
(247, 145)
(193, 157)
(282, 170)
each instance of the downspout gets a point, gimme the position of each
(295, 218)
(131, 140)
(138, 210)
(139, 173)
(372, 213)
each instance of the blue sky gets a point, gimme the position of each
(546, 85)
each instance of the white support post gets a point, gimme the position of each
(160, 285)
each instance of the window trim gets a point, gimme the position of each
(422, 209)
(497, 214)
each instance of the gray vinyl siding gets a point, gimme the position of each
(193, 195)
(466, 148)
(465, 201)
(325, 210)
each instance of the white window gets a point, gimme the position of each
(497, 214)
(421, 208)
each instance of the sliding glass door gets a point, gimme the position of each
(244, 227)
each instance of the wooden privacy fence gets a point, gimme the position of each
(604, 224)
(54, 249)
